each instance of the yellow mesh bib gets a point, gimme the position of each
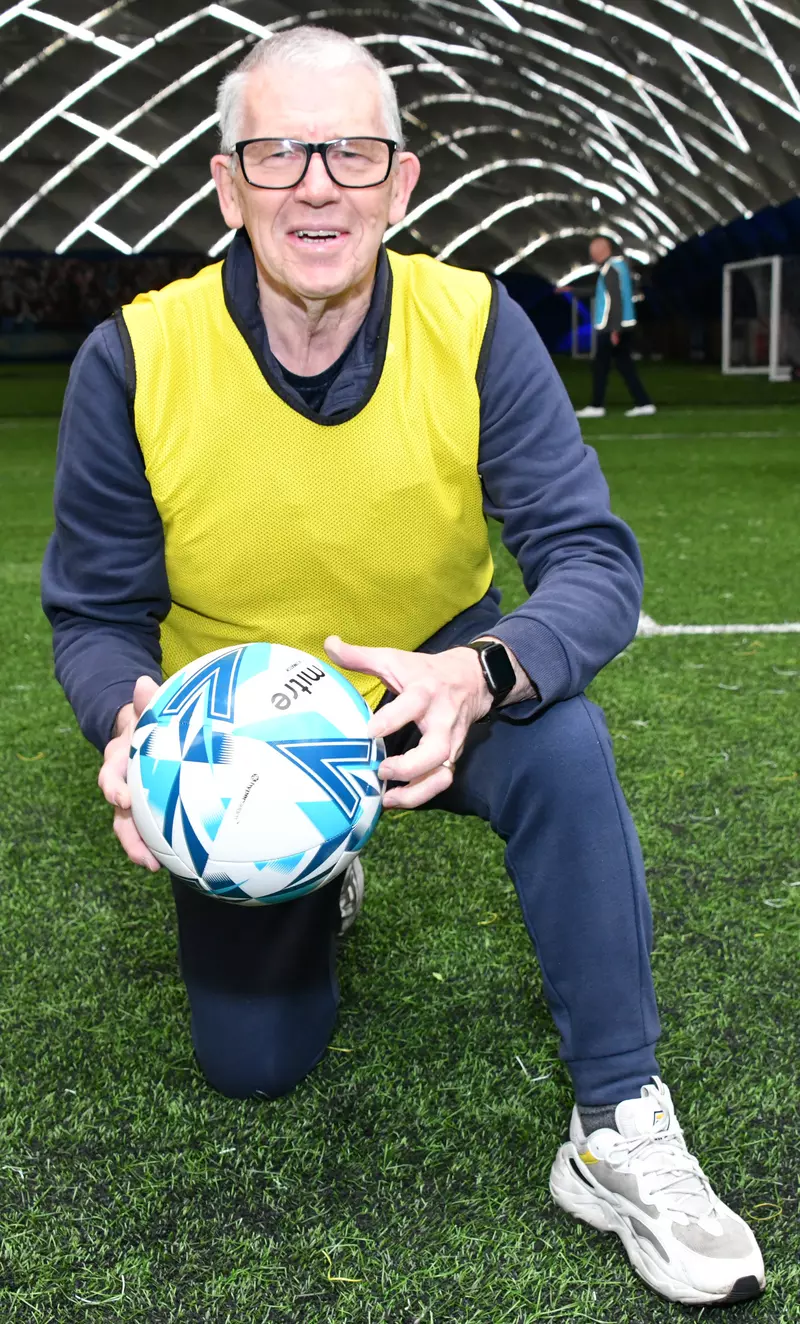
(284, 529)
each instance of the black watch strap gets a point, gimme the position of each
(497, 668)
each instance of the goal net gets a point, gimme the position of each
(761, 317)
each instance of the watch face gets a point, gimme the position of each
(499, 671)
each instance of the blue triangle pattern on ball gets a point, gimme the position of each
(223, 748)
(294, 889)
(329, 763)
(286, 864)
(365, 786)
(221, 885)
(326, 816)
(197, 751)
(171, 806)
(197, 851)
(184, 722)
(212, 823)
(326, 850)
(159, 779)
(147, 744)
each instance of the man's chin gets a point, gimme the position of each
(321, 283)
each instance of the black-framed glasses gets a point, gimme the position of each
(283, 162)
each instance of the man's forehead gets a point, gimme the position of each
(318, 104)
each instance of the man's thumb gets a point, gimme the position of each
(143, 692)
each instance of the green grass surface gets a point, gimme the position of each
(32, 389)
(679, 384)
(406, 1179)
(713, 497)
(29, 389)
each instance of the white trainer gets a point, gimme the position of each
(640, 411)
(351, 897)
(590, 411)
(642, 1183)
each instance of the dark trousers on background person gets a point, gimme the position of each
(262, 982)
(606, 353)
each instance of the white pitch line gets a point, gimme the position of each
(648, 628)
(679, 436)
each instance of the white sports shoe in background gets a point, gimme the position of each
(640, 411)
(351, 897)
(590, 411)
(642, 1183)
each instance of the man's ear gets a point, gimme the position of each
(226, 191)
(404, 179)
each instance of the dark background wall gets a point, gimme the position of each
(48, 304)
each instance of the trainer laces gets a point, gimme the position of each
(671, 1172)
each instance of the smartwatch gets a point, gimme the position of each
(497, 669)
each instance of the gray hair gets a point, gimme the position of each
(309, 47)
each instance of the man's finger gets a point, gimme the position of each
(424, 759)
(131, 842)
(122, 797)
(111, 777)
(353, 657)
(419, 792)
(410, 706)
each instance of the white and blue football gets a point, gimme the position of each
(252, 775)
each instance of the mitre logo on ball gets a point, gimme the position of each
(252, 775)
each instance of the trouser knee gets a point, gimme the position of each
(262, 988)
(263, 1050)
(251, 1079)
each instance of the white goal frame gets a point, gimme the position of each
(775, 370)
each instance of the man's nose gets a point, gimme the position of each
(316, 186)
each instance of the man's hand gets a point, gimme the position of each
(443, 693)
(112, 776)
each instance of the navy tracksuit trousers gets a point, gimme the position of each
(262, 982)
(607, 353)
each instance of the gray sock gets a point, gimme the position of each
(593, 1117)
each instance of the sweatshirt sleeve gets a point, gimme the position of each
(104, 579)
(579, 562)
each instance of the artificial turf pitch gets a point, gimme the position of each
(406, 1179)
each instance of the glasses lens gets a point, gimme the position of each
(274, 162)
(358, 162)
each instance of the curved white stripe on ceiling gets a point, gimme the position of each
(537, 123)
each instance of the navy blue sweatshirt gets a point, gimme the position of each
(104, 581)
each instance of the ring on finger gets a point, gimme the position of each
(449, 764)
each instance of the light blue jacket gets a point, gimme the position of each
(614, 308)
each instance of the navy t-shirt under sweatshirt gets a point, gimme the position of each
(104, 580)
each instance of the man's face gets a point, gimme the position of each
(599, 251)
(314, 107)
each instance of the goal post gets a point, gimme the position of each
(760, 323)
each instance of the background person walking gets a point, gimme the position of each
(614, 320)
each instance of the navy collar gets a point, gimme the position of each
(363, 363)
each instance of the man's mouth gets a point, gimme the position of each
(317, 237)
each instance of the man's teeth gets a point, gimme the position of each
(318, 234)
